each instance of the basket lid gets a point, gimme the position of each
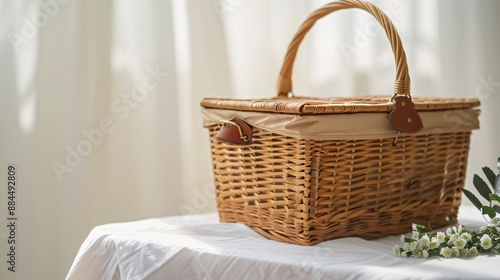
(360, 104)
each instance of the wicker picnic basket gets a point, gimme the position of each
(304, 170)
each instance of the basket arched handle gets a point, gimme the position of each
(402, 83)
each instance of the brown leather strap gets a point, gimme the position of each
(402, 83)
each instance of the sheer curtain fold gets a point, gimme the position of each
(100, 99)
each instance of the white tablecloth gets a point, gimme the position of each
(199, 247)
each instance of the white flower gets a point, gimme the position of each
(482, 228)
(434, 243)
(424, 241)
(415, 235)
(425, 254)
(446, 252)
(460, 243)
(472, 252)
(454, 237)
(450, 242)
(454, 242)
(440, 237)
(486, 242)
(397, 250)
(466, 236)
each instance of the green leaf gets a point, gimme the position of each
(419, 228)
(490, 175)
(489, 211)
(494, 197)
(408, 240)
(497, 208)
(473, 199)
(481, 187)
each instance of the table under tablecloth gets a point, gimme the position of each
(200, 247)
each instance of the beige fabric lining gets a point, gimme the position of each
(346, 126)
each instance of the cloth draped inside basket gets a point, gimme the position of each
(346, 126)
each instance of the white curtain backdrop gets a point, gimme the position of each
(99, 100)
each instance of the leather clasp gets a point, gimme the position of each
(404, 117)
(235, 131)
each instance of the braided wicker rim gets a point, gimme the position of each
(307, 105)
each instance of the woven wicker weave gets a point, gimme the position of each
(305, 191)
